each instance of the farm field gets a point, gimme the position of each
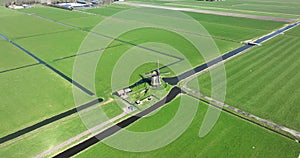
(53, 48)
(267, 87)
(51, 95)
(34, 90)
(11, 57)
(225, 140)
(276, 8)
(35, 143)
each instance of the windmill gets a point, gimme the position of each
(155, 76)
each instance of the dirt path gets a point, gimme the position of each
(79, 136)
(209, 12)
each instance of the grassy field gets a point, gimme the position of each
(74, 18)
(31, 95)
(108, 10)
(294, 32)
(55, 45)
(11, 57)
(49, 136)
(264, 81)
(231, 137)
(18, 25)
(50, 41)
(246, 27)
(276, 8)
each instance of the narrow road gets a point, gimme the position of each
(81, 135)
(119, 126)
(209, 12)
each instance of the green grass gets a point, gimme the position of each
(55, 13)
(112, 110)
(12, 57)
(86, 23)
(276, 8)
(18, 25)
(31, 95)
(54, 45)
(234, 28)
(108, 10)
(74, 18)
(264, 81)
(7, 12)
(111, 55)
(230, 137)
(236, 21)
(294, 32)
(54, 134)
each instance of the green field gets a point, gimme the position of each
(53, 47)
(18, 25)
(11, 57)
(264, 81)
(229, 137)
(108, 10)
(33, 94)
(51, 135)
(77, 19)
(276, 8)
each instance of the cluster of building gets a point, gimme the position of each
(65, 4)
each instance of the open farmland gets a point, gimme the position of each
(276, 8)
(11, 57)
(35, 143)
(225, 140)
(51, 95)
(39, 48)
(53, 48)
(264, 81)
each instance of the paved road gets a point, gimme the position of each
(115, 128)
(209, 12)
(83, 134)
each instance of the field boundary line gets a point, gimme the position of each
(84, 53)
(21, 67)
(102, 35)
(73, 82)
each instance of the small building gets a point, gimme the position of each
(121, 93)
